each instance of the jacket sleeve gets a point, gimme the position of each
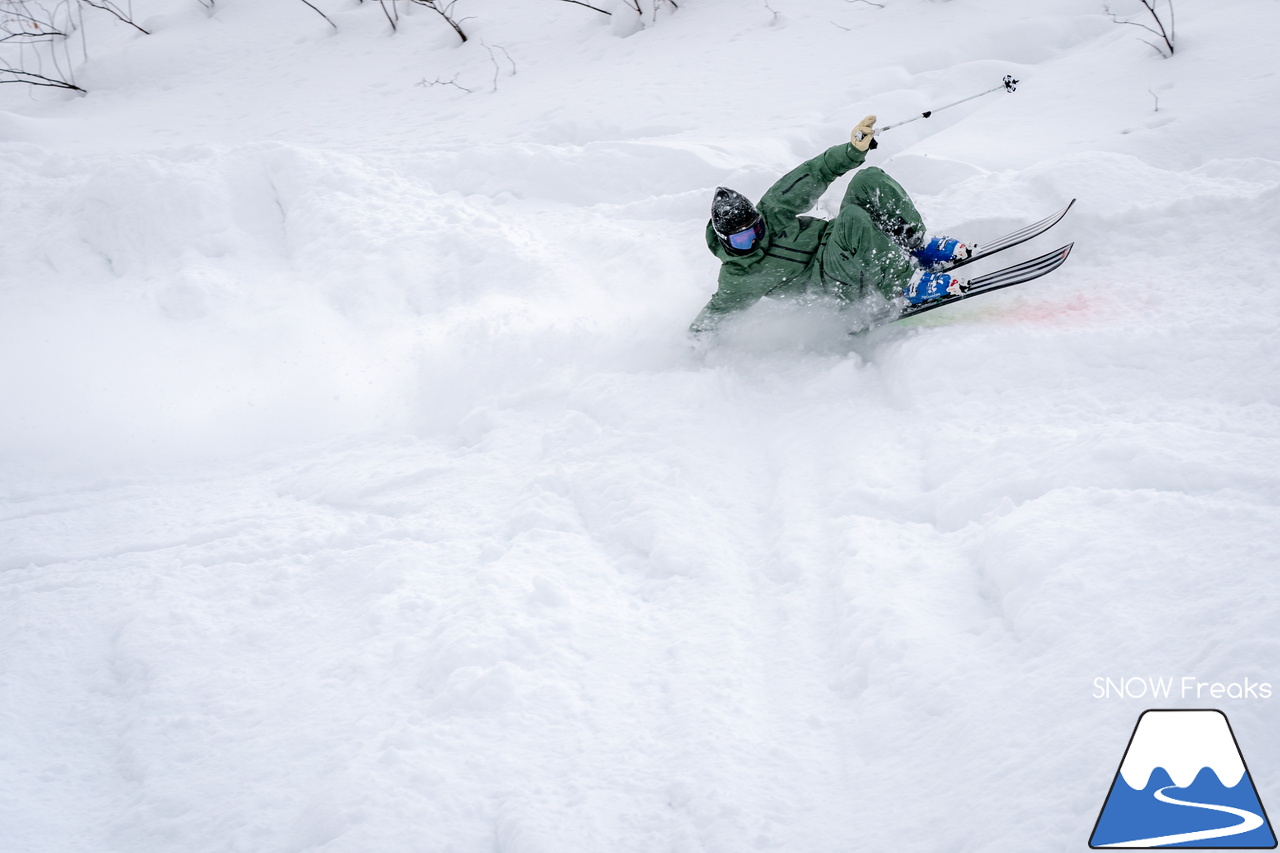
(801, 188)
(729, 297)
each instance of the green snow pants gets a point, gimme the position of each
(870, 237)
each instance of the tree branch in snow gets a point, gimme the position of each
(317, 11)
(15, 18)
(589, 6)
(35, 43)
(30, 38)
(1167, 35)
(446, 12)
(17, 75)
(392, 14)
(438, 82)
(126, 17)
(496, 67)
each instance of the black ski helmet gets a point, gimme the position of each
(731, 212)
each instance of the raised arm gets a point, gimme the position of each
(800, 189)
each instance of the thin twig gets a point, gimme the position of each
(22, 15)
(446, 13)
(36, 79)
(589, 6)
(1130, 23)
(1150, 6)
(1160, 32)
(32, 38)
(317, 11)
(108, 6)
(496, 67)
(439, 82)
(21, 27)
(385, 11)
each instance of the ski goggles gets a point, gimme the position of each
(746, 238)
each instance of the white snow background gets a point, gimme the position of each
(362, 490)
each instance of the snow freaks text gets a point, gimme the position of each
(1186, 687)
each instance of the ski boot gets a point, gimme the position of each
(941, 253)
(927, 286)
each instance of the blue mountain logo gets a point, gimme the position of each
(1183, 783)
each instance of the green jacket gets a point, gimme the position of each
(785, 261)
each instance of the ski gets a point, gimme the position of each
(1012, 239)
(1007, 277)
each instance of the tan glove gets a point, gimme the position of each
(863, 136)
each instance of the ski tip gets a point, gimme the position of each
(1059, 255)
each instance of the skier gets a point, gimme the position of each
(876, 243)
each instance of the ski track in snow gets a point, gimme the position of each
(362, 492)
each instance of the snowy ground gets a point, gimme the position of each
(361, 490)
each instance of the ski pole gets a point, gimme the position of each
(1008, 84)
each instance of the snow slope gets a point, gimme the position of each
(362, 491)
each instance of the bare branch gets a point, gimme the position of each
(32, 38)
(39, 24)
(445, 12)
(1165, 35)
(108, 6)
(1154, 47)
(438, 82)
(37, 37)
(497, 69)
(589, 6)
(317, 11)
(388, 13)
(33, 79)
(1116, 20)
(1151, 7)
